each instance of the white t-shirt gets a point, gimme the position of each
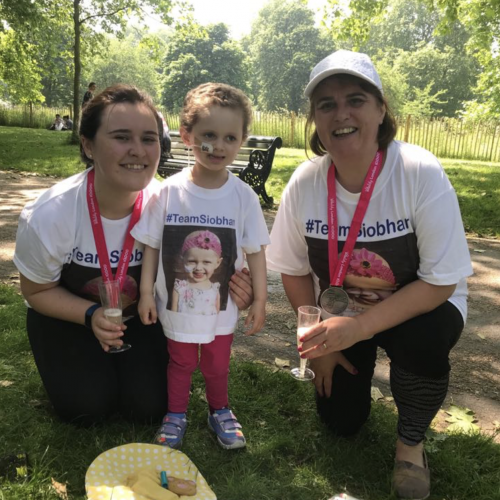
(412, 229)
(233, 217)
(55, 242)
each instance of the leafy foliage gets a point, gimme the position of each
(196, 55)
(434, 73)
(126, 61)
(284, 47)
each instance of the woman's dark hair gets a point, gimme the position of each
(386, 132)
(199, 99)
(93, 111)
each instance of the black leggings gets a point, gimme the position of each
(418, 350)
(85, 384)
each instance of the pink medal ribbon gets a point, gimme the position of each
(100, 240)
(334, 300)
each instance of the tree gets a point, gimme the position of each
(284, 45)
(17, 71)
(196, 55)
(126, 61)
(88, 21)
(435, 67)
(482, 20)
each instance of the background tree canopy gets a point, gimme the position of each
(435, 57)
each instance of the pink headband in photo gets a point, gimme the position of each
(206, 240)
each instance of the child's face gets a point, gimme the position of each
(201, 264)
(223, 129)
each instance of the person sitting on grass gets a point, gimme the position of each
(370, 230)
(68, 123)
(58, 123)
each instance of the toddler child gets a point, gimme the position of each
(201, 224)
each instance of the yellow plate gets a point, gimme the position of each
(107, 475)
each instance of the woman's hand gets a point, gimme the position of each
(240, 288)
(108, 334)
(330, 336)
(323, 371)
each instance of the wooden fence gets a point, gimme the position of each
(445, 137)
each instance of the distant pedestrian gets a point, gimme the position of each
(89, 94)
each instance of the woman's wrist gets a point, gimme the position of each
(363, 328)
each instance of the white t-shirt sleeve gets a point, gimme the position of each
(149, 228)
(255, 232)
(442, 245)
(287, 253)
(39, 258)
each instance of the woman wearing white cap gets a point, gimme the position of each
(370, 230)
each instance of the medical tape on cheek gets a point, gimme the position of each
(207, 148)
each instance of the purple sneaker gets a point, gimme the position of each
(227, 428)
(172, 430)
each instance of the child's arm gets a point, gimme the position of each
(257, 314)
(147, 305)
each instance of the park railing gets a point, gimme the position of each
(445, 137)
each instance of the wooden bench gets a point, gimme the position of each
(253, 163)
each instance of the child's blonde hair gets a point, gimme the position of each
(214, 94)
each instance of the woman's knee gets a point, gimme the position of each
(340, 421)
(422, 345)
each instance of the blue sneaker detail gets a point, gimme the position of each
(227, 428)
(172, 430)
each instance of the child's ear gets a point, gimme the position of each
(185, 136)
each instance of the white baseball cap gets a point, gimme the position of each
(344, 62)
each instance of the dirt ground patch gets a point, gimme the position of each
(475, 376)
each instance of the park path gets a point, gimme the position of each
(475, 377)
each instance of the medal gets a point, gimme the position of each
(334, 300)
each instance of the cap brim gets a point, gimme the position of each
(338, 71)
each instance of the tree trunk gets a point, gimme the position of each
(78, 69)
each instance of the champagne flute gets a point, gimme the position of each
(110, 293)
(307, 317)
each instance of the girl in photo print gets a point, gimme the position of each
(198, 232)
(201, 256)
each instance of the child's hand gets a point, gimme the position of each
(256, 318)
(147, 309)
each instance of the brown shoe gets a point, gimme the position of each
(410, 481)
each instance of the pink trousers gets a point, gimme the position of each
(213, 360)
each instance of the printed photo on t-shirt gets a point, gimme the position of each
(84, 282)
(376, 269)
(198, 263)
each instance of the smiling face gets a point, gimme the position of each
(347, 118)
(222, 128)
(126, 148)
(200, 264)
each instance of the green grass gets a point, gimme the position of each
(46, 152)
(49, 153)
(289, 455)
